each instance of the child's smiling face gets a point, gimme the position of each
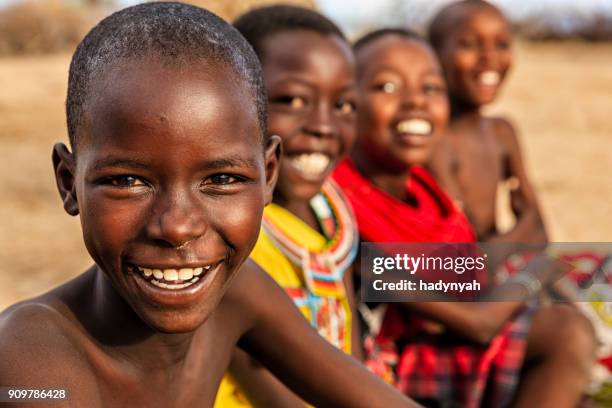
(476, 55)
(171, 179)
(310, 81)
(402, 102)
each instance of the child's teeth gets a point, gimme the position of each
(170, 274)
(311, 163)
(163, 278)
(185, 274)
(489, 78)
(414, 126)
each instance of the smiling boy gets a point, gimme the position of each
(309, 238)
(169, 170)
(473, 41)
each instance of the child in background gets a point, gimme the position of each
(309, 238)
(473, 41)
(170, 168)
(446, 353)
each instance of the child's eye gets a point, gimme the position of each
(345, 106)
(468, 43)
(433, 89)
(292, 101)
(503, 45)
(387, 87)
(124, 181)
(221, 179)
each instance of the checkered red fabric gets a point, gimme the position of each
(444, 368)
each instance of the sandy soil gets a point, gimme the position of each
(558, 96)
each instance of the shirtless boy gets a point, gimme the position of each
(473, 41)
(169, 170)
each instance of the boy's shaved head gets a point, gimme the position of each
(177, 33)
(383, 32)
(451, 16)
(259, 23)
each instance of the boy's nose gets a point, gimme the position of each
(488, 54)
(177, 222)
(412, 99)
(320, 122)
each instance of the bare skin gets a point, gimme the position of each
(309, 79)
(169, 174)
(381, 161)
(477, 155)
(480, 152)
(68, 339)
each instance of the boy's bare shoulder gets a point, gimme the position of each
(39, 347)
(504, 130)
(252, 294)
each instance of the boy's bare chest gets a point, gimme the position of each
(119, 385)
(480, 159)
(190, 382)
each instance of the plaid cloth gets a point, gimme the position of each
(431, 365)
(422, 360)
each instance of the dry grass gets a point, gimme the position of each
(558, 96)
(48, 26)
(42, 27)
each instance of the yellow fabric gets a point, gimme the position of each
(287, 275)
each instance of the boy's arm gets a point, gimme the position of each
(281, 339)
(529, 227)
(481, 321)
(348, 279)
(260, 387)
(36, 352)
(444, 167)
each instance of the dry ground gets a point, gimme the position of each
(559, 95)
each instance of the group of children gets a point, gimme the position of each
(208, 162)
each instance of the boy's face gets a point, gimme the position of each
(310, 84)
(402, 102)
(170, 181)
(476, 56)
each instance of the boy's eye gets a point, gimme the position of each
(468, 43)
(503, 44)
(345, 106)
(220, 179)
(432, 88)
(387, 87)
(292, 101)
(125, 181)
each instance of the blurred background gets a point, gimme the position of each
(559, 96)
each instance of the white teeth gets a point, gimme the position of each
(163, 278)
(414, 126)
(489, 78)
(185, 274)
(312, 164)
(174, 285)
(170, 274)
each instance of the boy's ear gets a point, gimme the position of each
(64, 167)
(273, 154)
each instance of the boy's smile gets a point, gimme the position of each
(476, 55)
(309, 80)
(170, 181)
(402, 106)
